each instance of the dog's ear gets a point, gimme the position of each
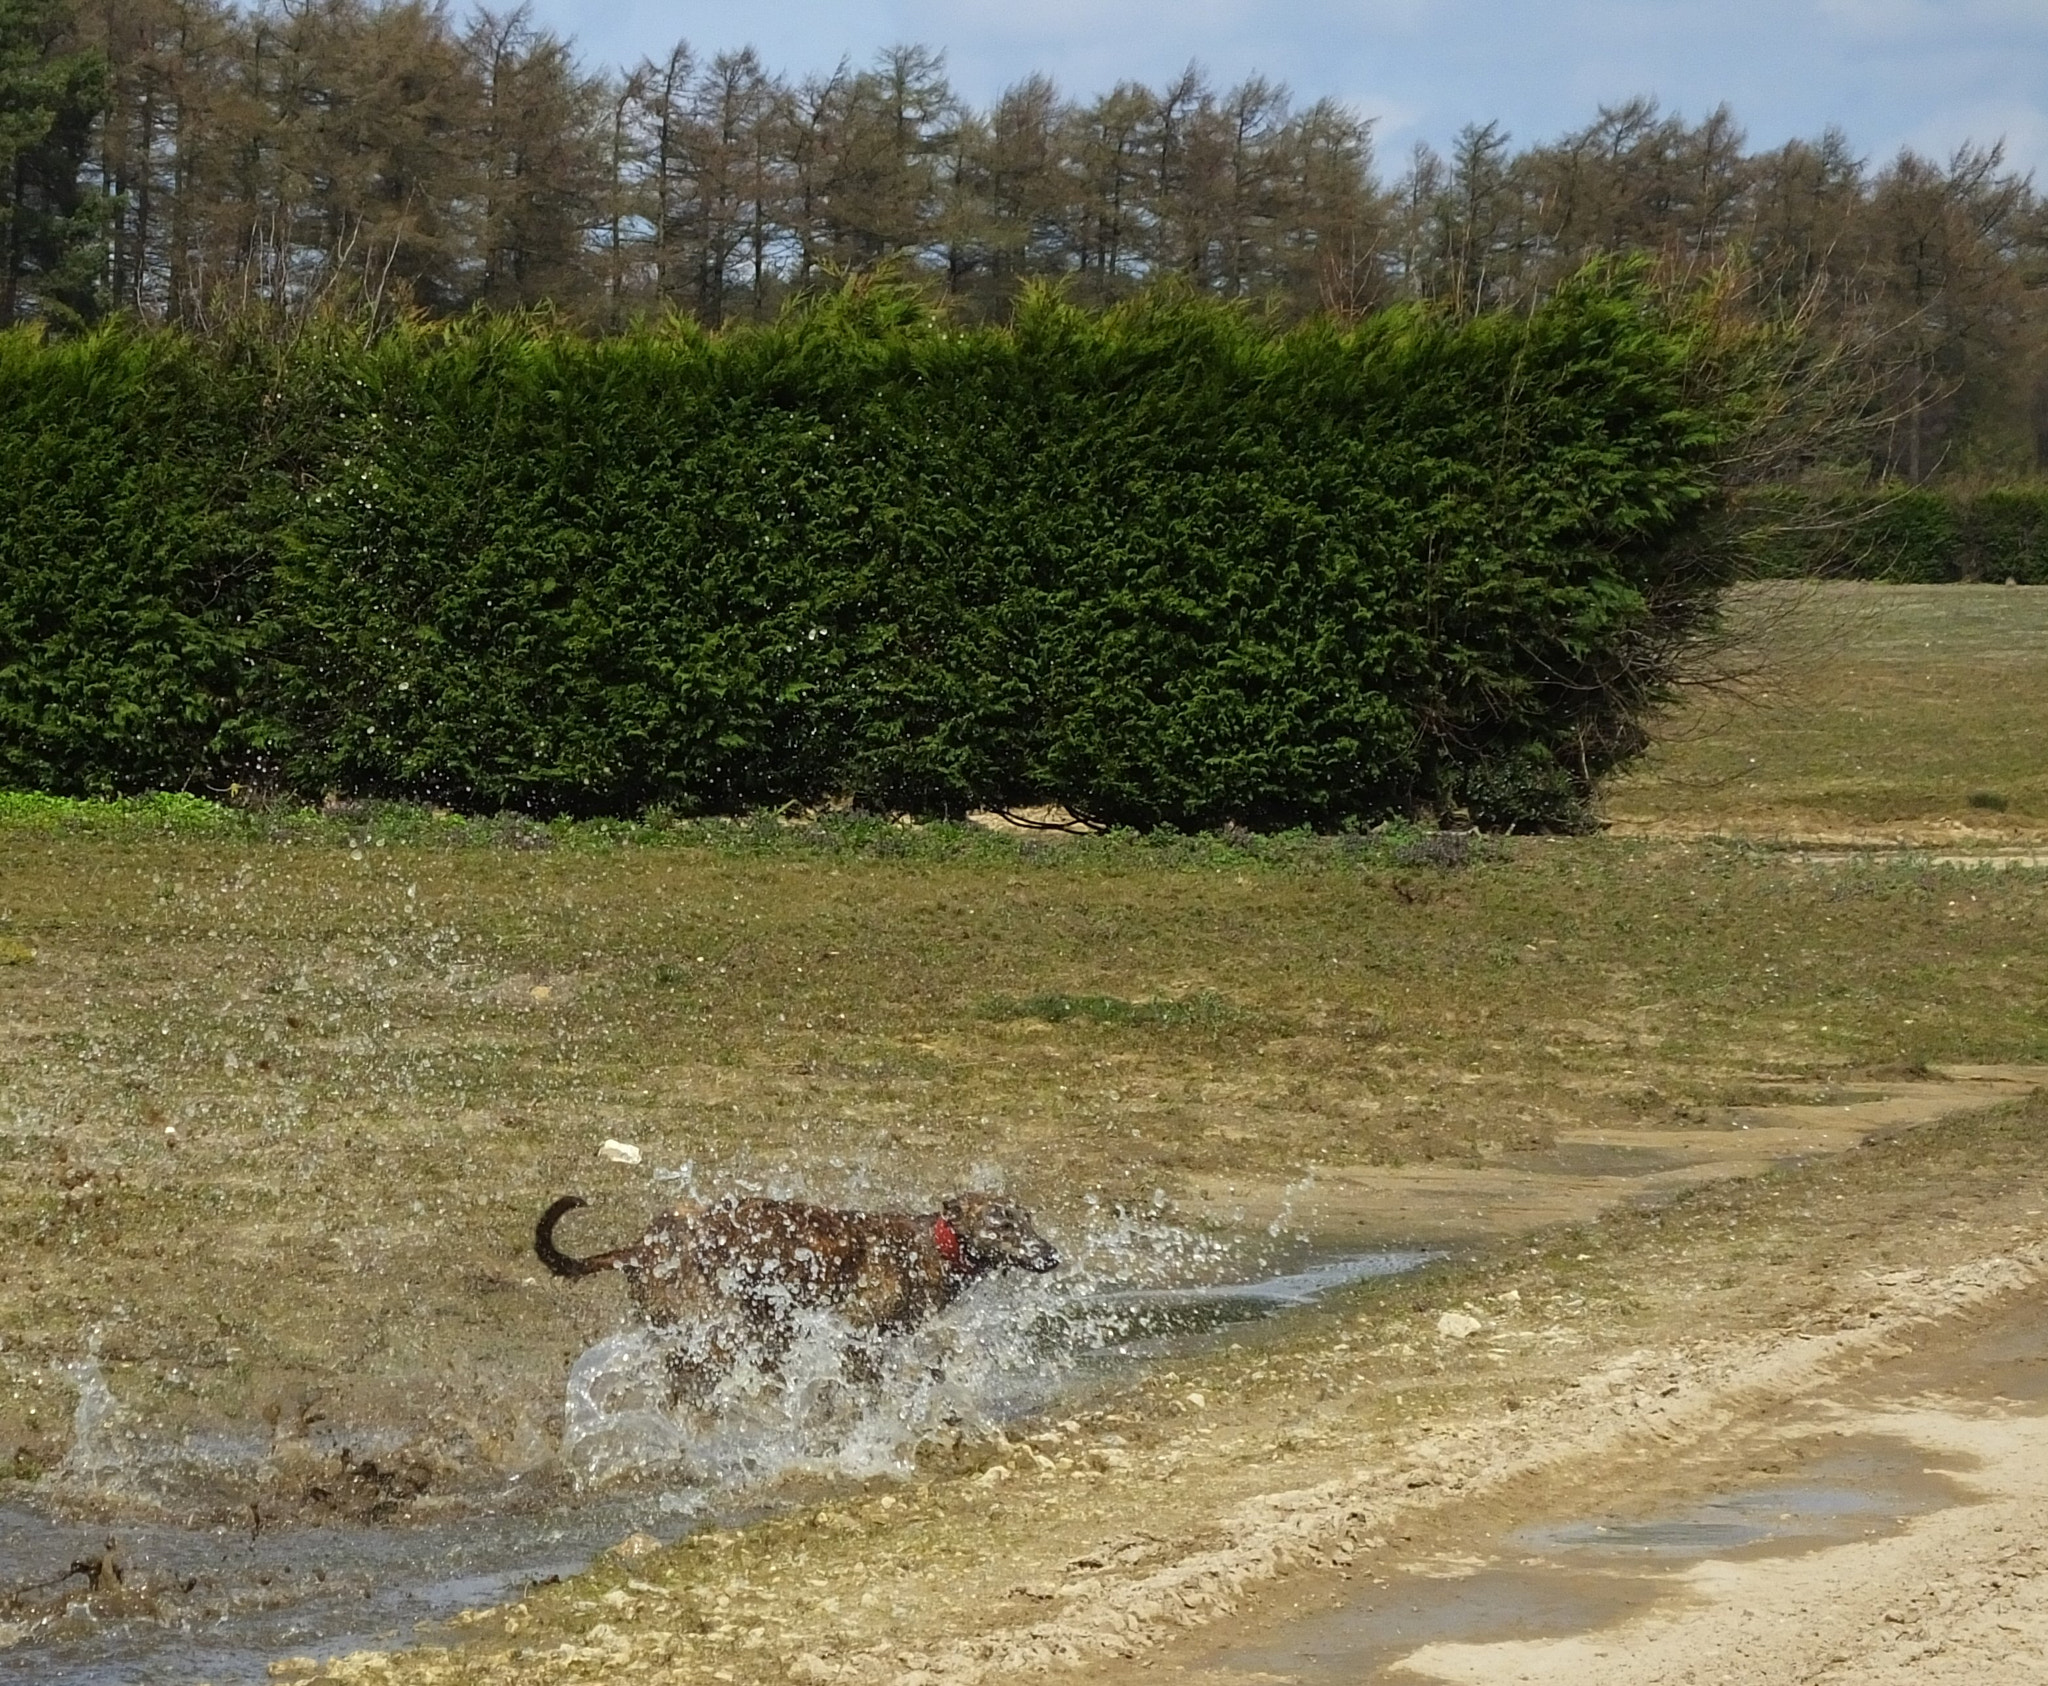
(967, 1208)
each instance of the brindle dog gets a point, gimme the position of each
(743, 1271)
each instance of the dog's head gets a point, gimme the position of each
(997, 1234)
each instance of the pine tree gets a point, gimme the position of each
(51, 91)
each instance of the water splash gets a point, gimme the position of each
(100, 1458)
(848, 1403)
(617, 1421)
(835, 1401)
(837, 1407)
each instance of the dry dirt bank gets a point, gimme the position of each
(1360, 1439)
(1918, 1481)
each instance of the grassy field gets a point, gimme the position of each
(1862, 713)
(279, 1099)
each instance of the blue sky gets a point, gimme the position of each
(1926, 73)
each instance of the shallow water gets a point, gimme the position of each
(1142, 1322)
(219, 1604)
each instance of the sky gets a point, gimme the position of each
(1930, 74)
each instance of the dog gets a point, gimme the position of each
(742, 1272)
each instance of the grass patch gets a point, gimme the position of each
(160, 812)
(1207, 1010)
(1877, 711)
(830, 836)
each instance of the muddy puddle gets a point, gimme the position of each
(180, 1605)
(1576, 1574)
(102, 1584)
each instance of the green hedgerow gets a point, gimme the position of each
(1167, 565)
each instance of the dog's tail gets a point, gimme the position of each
(552, 1256)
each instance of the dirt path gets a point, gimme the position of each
(1588, 1171)
(1961, 1595)
(1959, 1591)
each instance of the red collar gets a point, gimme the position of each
(947, 1239)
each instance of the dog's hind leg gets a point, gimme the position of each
(692, 1379)
(698, 1357)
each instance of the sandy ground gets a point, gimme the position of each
(1959, 1593)
(1945, 841)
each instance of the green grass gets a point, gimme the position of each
(795, 836)
(1206, 1010)
(173, 812)
(1878, 712)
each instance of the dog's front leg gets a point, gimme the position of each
(860, 1366)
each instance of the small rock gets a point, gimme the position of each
(1457, 1325)
(620, 1153)
(635, 1546)
(286, 1668)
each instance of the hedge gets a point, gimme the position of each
(1917, 536)
(1168, 565)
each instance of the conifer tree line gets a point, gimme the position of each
(181, 160)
